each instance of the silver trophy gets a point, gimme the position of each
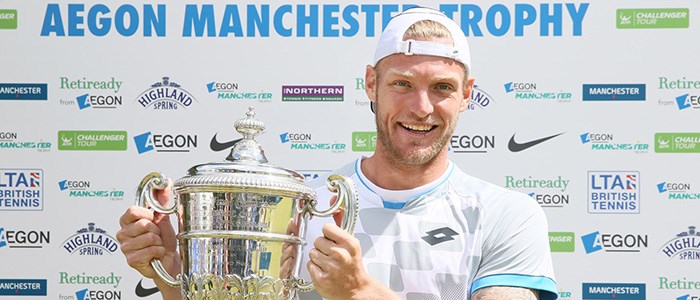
(243, 222)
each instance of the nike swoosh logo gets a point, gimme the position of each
(143, 292)
(514, 146)
(217, 146)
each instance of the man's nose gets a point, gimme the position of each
(421, 104)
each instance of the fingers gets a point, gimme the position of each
(133, 214)
(163, 195)
(340, 237)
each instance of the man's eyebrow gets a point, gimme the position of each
(401, 73)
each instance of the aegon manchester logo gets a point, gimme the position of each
(605, 142)
(613, 192)
(165, 95)
(23, 91)
(92, 93)
(90, 241)
(84, 189)
(12, 140)
(22, 189)
(528, 91)
(673, 190)
(303, 141)
(614, 92)
(233, 91)
(167, 142)
(684, 246)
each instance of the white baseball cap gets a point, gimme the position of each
(391, 41)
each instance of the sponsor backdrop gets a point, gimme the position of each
(588, 107)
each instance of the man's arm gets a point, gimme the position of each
(505, 293)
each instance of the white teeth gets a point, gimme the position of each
(418, 127)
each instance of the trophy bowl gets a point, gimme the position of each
(242, 223)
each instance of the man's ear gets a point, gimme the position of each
(467, 94)
(371, 83)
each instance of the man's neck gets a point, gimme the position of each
(391, 175)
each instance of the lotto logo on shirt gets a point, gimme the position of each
(613, 192)
(616, 291)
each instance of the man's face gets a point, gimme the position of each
(418, 101)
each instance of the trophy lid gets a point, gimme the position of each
(245, 169)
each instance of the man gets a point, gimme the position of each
(426, 230)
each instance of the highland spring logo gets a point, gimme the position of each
(165, 95)
(91, 241)
(684, 246)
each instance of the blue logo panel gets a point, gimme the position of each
(617, 291)
(22, 287)
(23, 91)
(614, 92)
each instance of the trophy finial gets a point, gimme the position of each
(248, 149)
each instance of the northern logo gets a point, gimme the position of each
(21, 189)
(614, 242)
(311, 93)
(514, 146)
(24, 239)
(604, 142)
(82, 189)
(684, 246)
(23, 91)
(11, 140)
(477, 143)
(613, 192)
(90, 241)
(165, 95)
(231, 91)
(148, 141)
(614, 92)
(528, 91)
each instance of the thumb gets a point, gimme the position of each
(167, 232)
(338, 214)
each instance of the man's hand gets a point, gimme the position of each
(146, 235)
(337, 271)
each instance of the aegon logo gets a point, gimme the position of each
(603, 142)
(165, 142)
(97, 99)
(472, 144)
(688, 101)
(302, 141)
(614, 242)
(19, 238)
(230, 91)
(90, 294)
(613, 192)
(165, 95)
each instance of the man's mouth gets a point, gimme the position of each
(418, 128)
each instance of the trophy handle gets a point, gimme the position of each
(144, 198)
(347, 201)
